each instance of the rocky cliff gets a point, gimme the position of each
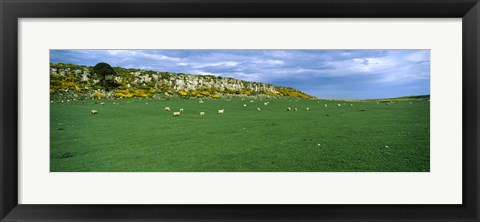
(69, 81)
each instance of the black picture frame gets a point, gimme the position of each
(11, 11)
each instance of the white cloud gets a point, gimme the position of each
(270, 62)
(418, 56)
(114, 52)
(245, 76)
(227, 64)
(278, 53)
(200, 72)
(159, 57)
(138, 54)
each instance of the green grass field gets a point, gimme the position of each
(134, 136)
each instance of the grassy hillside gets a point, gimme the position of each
(401, 99)
(137, 135)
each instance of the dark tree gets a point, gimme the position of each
(104, 70)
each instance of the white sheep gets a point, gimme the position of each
(175, 114)
(258, 109)
(325, 105)
(289, 109)
(201, 101)
(102, 103)
(339, 105)
(202, 113)
(295, 109)
(167, 108)
(93, 111)
(308, 109)
(266, 104)
(220, 111)
(244, 105)
(181, 110)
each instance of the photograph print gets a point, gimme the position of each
(261, 110)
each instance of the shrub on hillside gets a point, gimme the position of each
(140, 93)
(182, 93)
(122, 94)
(98, 95)
(205, 93)
(152, 91)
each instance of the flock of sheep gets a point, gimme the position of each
(221, 111)
(180, 111)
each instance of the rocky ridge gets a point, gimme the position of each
(70, 81)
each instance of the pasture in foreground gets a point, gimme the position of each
(138, 135)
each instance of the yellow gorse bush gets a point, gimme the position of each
(98, 95)
(152, 91)
(140, 93)
(182, 93)
(80, 90)
(205, 93)
(123, 94)
(245, 92)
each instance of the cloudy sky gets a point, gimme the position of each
(356, 74)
